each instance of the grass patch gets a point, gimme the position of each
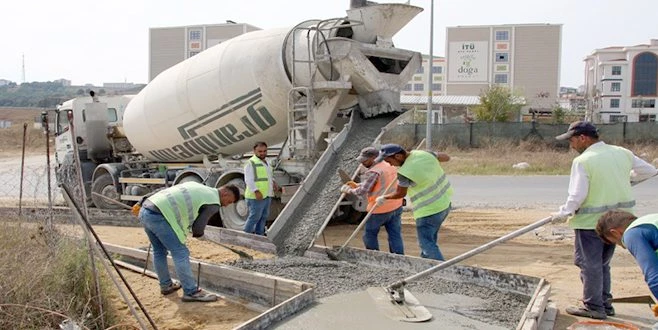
(46, 279)
(497, 158)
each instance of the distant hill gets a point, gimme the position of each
(49, 94)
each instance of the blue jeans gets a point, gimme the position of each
(427, 229)
(259, 210)
(392, 222)
(593, 257)
(163, 238)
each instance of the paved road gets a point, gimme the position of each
(537, 192)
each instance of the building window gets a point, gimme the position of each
(193, 53)
(645, 66)
(418, 87)
(500, 78)
(502, 57)
(436, 87)
(406, 87)
(421, 69)
(638, 103)
(437, 78)
(418, 78)
(437, 69)
(195, 35)
(647, 118)
(618, 118)
(616, 70)
(501, 68)
(502, 35)
(615, 87)
(614, 103)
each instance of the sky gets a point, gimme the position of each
(107, 41)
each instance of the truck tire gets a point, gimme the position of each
(105, 186)
(235, 215)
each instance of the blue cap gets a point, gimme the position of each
(388, 150)
(579, 128)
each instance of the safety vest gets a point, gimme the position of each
(387, 174)
(651, 219)
(432, 191)
(608, 168)
(180, 205)
(260, 178)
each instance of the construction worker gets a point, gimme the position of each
(373, 184)
(600, 180)
(640, 237)
(421, 176)
(167, 217)
(259, 190)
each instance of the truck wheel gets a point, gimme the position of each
(105, 186)
(235, 215)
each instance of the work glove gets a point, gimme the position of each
(380, 201)
(135, 209)
(345, 189)
(654, 309)
(559, 217)
(352, 184)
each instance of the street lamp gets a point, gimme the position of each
(428, 132)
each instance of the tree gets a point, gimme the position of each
(558, 114)
(497, 103)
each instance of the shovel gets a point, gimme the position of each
(399, 304)
(334, 255)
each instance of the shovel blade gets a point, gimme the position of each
(410, 310)
(344, 177)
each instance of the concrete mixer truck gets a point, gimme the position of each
(194, 121)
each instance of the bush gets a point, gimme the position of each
(47, 278)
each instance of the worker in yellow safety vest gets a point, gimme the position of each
(389, 214)
(167, 216)
(600, 181)
(259, 190)
(421, 177)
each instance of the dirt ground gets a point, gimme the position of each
(464, 229)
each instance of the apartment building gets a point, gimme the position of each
(523, 57)
(418, 85)
(171, 45)
(621, 83)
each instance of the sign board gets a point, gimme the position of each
(468, 61)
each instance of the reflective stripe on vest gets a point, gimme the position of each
(431, 191)
(601, 209)
(608, 171)
(387, 174)
(261, 178)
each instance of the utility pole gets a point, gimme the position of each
(23, 68)
(428, 132)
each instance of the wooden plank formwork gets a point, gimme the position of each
(274, 297)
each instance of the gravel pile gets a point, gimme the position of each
(310, 215)
(333, 277)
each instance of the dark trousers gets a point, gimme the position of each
(593, 257)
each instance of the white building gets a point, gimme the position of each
(621, 83)
(170, 45)
(418, 85)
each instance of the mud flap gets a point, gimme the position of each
(410, 310)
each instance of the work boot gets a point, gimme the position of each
(610, 311)
(173, 287)
(199, 295)
(586, 312)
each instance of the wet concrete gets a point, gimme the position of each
(309, 216)
(356, 310)
(494, 307)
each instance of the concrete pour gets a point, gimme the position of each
(464, 304)
(322, 196)
(450, 311)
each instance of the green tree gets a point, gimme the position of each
(497, 103)
(558, 114)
